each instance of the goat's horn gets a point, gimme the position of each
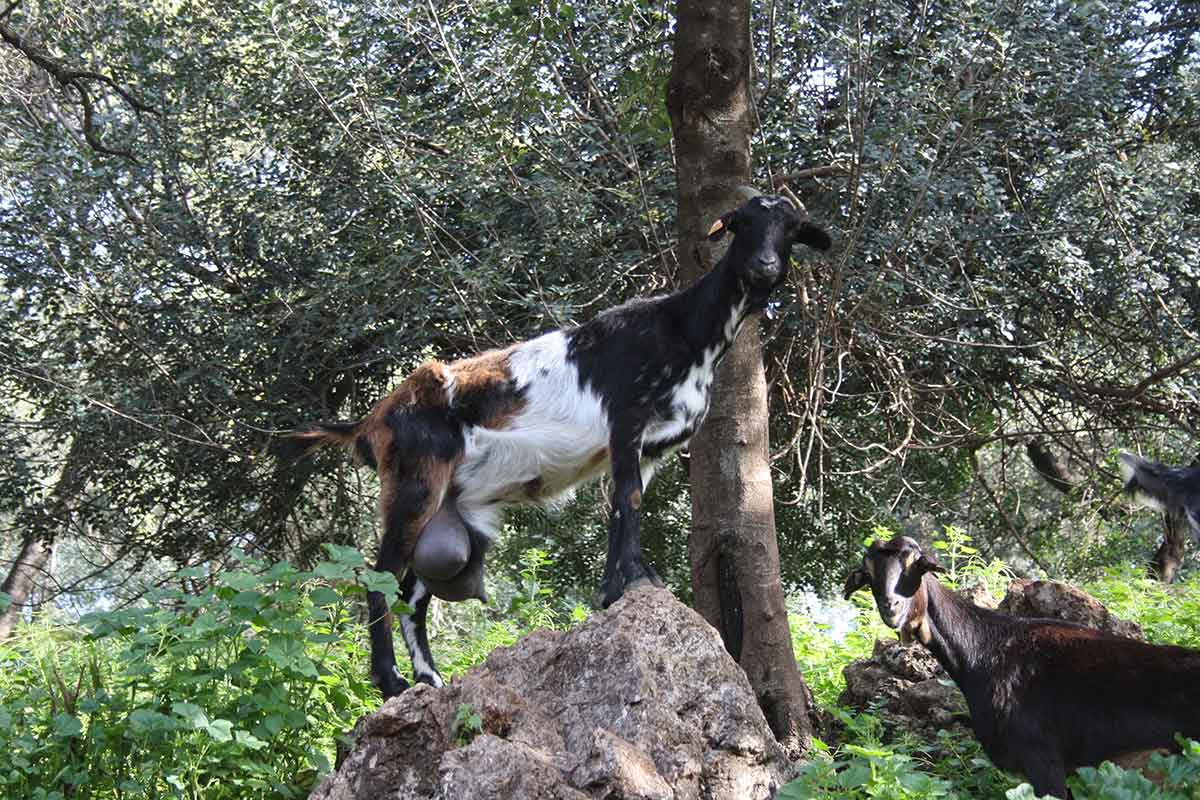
(746, 193)
(791, 198)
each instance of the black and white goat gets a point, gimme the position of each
(456, 442)
(1169, 489)
(1045, 696)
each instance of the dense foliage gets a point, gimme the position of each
(245, 688)
(240, 690)
(328, 194)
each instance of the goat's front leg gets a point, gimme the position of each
(1044, 767)
(624, 565)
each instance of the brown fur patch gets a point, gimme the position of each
(487, 373)
(425, 387)
(435, 475)
(598, 458)
(533, 488)
(635, 499)
(916, 624)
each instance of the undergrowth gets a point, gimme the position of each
(238, 691)
(242, 690)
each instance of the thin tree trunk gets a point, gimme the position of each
(733, 549)
(1169, 555)
(41, 528)
(23, 578)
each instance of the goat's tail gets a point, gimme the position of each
(1170, 489)
(294, 446)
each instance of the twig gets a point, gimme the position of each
(78, 80)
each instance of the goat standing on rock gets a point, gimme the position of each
(456, 442)
(1045, 696)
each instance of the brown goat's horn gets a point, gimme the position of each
(791, 198)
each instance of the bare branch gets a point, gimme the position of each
(78, 80)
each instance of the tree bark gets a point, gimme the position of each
(1169, 555)
(41, 528)
(23, 578)
(732, 548)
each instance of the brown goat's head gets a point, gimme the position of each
(894, 570)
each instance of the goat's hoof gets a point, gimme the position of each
(390, 682)
(608, 596)
(430, 679)
(646, 581)
(652, 576)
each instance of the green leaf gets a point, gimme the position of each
(67, 725)
(324, 596)
(384, 582)
(220, 730)
(343, 555)
(334, 572)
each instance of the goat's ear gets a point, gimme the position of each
(855, 581)
(927, 563)
(720, 227)
(813, 236)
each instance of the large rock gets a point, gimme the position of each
(1027, 598)
(641, 702)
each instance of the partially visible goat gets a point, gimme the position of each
(1169, 489)
(1045, 696)
(456, 442)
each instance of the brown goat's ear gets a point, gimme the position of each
(855, 581)
(927, 563)
(720, 227)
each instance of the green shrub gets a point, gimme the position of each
(238, 691)
(1167, 614)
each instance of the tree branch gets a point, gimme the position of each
(68, 78)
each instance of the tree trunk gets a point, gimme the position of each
(1169, 555)
(24, 576)
(733, 549)
(41, 526)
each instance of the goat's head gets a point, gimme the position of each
(895, 570)
(764, 229)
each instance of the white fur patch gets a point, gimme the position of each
(548, 448)
(1129, 464)
(421, 662)
(691, 396)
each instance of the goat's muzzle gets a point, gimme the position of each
(765, 271)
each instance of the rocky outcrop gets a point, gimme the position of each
(639, 702)
(1027, 598)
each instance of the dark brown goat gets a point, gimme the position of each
(1045, 696)
(458, 441)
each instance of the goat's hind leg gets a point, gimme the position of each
(416, 595)
(407, 501)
